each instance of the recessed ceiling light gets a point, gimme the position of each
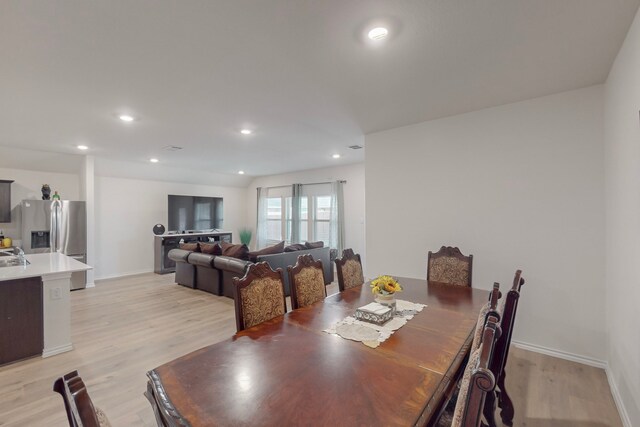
(126, 118)
(246, 131)
(241, 172)
(378, 33)
(154, 160)
(336, 156)
(82, 147)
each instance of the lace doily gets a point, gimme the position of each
(371, 334)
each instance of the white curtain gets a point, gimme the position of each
(336, 235)
(261, 227)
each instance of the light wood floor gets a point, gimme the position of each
(122, 328)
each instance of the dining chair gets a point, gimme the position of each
(306, 279)
(507, 312)
(478, 380)
(259, 295)
(349, 269)
(449, 266)
(77, 403)
(489, 309)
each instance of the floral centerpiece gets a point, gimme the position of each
(384, 288)
(385, 285)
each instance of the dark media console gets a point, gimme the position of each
(164, 243)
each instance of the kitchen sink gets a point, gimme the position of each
(13, 261)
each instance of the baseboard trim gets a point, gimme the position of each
(91, 285)
(561, 354)
(48, 352)
(119, 276)
(622, 410)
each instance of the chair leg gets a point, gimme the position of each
(490, 408)
(505, 403)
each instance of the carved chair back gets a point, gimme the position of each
(449, 266)
(349, 269)
(77, 403)
(478, 380)
(306, 279)
(507, 312)
(259, 295)
(489, 309)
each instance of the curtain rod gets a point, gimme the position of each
(342, 181)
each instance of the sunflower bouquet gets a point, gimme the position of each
(385, 285)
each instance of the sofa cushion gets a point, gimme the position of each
(233, 265)
(179, 255)
(278, 248)
(210, 248)
(202, 260)
(295, 247)
(235, 251)
(314, 245)
(195, 247)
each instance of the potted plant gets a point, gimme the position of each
(245, 235)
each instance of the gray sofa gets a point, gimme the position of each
(215, 273)
(284, 259)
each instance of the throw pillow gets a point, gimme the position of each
(314, 245)
(295, 247)
(195, 247)
(278, 248)
(210, 248)
(235, 251)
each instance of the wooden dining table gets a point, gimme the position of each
(287, 371)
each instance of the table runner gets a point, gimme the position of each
(371, 334)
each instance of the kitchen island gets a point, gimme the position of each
(35, 305)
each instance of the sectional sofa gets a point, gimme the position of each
(215, 273)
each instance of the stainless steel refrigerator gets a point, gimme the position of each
(56, 226)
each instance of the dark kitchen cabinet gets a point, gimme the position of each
(21, 329)
(5, 200)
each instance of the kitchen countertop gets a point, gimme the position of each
(42, 265)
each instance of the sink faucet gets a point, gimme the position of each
(20, 254)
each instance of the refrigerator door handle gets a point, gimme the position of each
(52, 232)
(55, 226)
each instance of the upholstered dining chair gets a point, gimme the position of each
(349, 269)
(507, 312)
(77, 403)
(478, 380)
(259, 295)
(489, 309)
(449, 266)
(306, 279)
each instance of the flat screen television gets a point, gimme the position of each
(193, 213)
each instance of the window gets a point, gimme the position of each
(274, 220)
(315, 215)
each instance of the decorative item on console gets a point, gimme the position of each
(46, 192)
(245, 235)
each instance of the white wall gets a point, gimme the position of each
(353, 198)
(27, 185)
(622, 172)
(127, 210)
(517, 186)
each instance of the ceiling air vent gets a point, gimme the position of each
(172, 148)
(355, 147)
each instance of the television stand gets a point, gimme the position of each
(164, 243)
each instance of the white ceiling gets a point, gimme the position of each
(300, 73)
